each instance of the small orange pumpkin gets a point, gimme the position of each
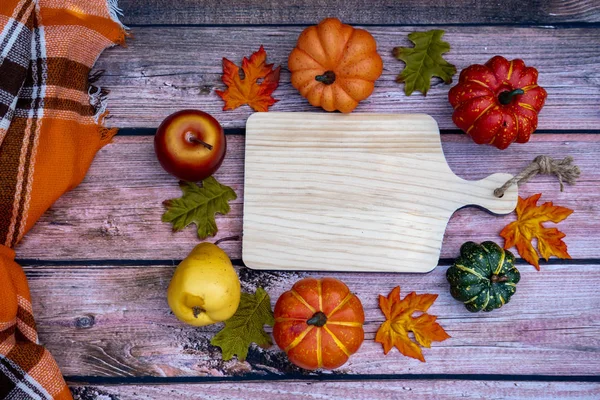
(319, 323)
(334, 65)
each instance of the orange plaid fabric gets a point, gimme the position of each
(50, 130)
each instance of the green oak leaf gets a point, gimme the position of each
(246, 326)
(424, 61)
(199, 205)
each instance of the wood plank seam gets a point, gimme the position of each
(144, 380)
(140, 131)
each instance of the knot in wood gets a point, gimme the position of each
(85, 322)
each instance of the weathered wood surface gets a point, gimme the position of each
(115, 321)
(110, 319)
(148, 12)
(354, 390)
(115, 213)
(165, 69)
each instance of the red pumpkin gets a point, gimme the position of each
(497, 103)
(319, 323)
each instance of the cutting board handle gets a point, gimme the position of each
(481, 193)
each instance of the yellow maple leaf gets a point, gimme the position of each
(399, 321)
(247, 90)
(528, 226)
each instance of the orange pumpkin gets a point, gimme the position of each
(334, 65)
(319, 323)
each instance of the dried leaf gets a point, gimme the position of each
(528, 226)
(246, 326)
(199, 205)
(247, 90)
(399, 321)
(424, 61)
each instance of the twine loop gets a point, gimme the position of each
(564, 170)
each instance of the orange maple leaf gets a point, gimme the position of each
(399, 321)
(528, 226)
(247, 90)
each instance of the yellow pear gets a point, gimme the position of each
(205, 288)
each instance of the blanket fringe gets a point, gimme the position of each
(116, 12)
(106, 134)
(99, 95)
(98, 100)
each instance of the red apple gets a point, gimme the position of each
(190, 145)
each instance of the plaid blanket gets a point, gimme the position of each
(50, 130)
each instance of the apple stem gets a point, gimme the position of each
(192, 138)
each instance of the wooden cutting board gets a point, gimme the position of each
(357, 192)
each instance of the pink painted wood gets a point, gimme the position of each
(340, 390)
(113, 320)
(107, 318)
(424, 12)
(115, 213)
(166, 69)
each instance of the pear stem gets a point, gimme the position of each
(227, 239)
(197, 311)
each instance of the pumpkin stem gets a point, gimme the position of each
(498, 278)
(327, 78)
(506, 97)
(318, 319)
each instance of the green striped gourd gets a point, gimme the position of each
(484, 277)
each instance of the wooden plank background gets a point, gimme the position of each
(355, 390)
(114, 321)
(99, 260)
(166, 69)
(371, 12)
(120, 204)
